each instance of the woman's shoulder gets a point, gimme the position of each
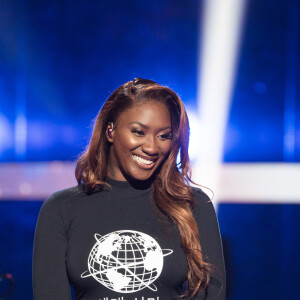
(203, 208)
(200, 197)
(60, 197)
(65, 194)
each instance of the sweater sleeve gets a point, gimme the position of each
(50, 280)
(211, 245)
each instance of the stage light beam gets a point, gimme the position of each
(222, 23)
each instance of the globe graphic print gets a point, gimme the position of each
(126, 261)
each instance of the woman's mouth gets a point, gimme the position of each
(143, 162)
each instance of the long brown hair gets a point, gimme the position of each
(170, 189)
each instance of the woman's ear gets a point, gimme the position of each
(109, 132)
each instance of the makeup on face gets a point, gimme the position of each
(140, 142)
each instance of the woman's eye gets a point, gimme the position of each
(166, 136)
(137, 132)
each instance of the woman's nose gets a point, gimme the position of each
(150, 146)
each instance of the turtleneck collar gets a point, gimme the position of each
(124, 189)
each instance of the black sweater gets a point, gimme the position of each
(115, 245)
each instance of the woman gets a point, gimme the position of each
(133, 228)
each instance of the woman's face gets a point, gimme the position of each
(140, 142)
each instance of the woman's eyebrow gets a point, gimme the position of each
(147, 127)
(139, 123)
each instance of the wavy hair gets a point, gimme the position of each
(170, 189)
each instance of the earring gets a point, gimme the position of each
(109, 131)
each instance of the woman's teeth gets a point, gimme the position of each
(142, 160)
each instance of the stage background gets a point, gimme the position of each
(60, 60)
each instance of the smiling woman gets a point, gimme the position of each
(132, 207)
(140, 141)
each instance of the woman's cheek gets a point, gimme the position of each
(165, 147)
(133, 142)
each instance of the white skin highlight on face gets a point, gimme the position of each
(140, 142)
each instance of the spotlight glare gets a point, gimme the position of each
(222, 23)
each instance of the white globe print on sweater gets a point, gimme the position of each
(126, 261)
